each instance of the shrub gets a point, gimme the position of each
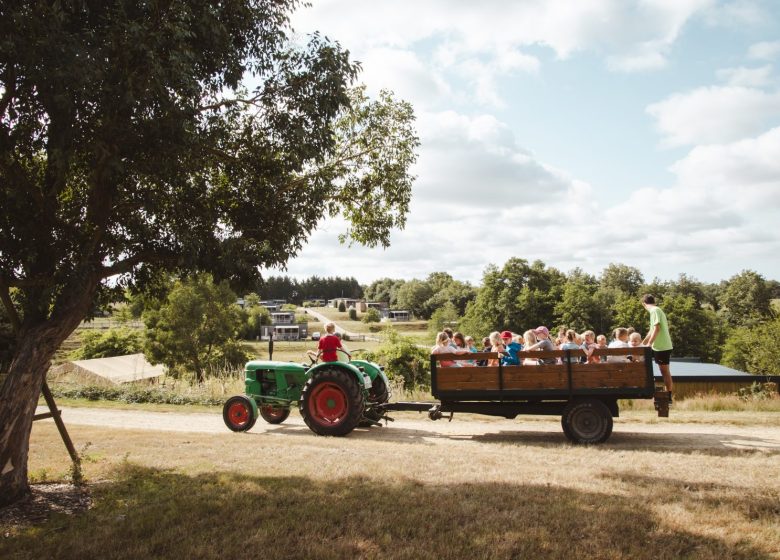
(371, 316)
(342, 307)
(107, 344)
(352, 314)
(403, 360)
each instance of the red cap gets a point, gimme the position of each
(506, 334)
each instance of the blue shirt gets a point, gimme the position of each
(511, 358)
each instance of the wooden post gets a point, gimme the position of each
(56, 414)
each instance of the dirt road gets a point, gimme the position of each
(628, 434)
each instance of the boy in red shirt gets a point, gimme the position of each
(329, 344)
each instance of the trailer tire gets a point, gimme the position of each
(274, 414)
(238, 414)
(587, 421)
(331, 402)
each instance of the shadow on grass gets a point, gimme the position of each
(712, 495)
(147, 513)
(714, 444)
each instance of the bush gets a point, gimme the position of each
(403, 360)
(352, 314)
(371, 316)
(342, 307)
(107, 344)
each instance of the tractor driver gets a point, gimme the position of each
(330, 344)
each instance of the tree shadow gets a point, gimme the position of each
(712, 495)
(148, 513)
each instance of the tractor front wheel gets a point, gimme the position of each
(238, 414)
(274, 414)
(331, 402)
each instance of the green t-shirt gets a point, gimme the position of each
(663, 341)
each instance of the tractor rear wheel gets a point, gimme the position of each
(274, 414)
(238, 414)
(378, 394)
(587, 421)
(331, 402)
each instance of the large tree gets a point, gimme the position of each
(129, 149)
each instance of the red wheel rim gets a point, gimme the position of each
(273, 412)
(328, 403)
(238, 413)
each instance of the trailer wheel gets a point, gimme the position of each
(331, 402)
(238, 414)
(274, 414)
(587, 421)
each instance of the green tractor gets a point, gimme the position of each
(333, 397)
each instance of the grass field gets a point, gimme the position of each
(408, 493)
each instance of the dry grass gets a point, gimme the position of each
(460, 490)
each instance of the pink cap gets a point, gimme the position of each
(542, 330)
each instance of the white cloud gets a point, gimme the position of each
(736, 13)
(713, 115)
(767, 50)
(403, 72)
(747, 77)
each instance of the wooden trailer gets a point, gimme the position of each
(585, 395)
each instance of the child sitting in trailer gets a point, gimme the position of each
(511, 348)
(588, 346)
(635, 341)
(496, 345)
(620, 341)
(443, 346)
(530, 344)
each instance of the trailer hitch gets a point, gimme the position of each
(435, 413)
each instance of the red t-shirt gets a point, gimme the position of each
(328, 345)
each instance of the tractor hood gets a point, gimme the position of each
(291, 367)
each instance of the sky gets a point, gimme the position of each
(644, 132)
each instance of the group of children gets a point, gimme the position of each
(509, 344)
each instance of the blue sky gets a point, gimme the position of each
(578, 133)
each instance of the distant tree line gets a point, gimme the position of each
(315, 287)
(716, 322)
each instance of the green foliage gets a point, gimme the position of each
(516, 297)
(342, 307)
(352, 314)
(134, 395)
(413, 295)
(106, 344)
(695, 331)
(754, 349)
(371, 316)
(444, 316)
(384, 289)
(288, 307)
(629, 312)
(403, 360)
(621, 277)
(314, 287)
(577, 307)
(196, 328)
(746, 299)
(253, 317)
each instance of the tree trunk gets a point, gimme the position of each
(18, 399)
(22, 387)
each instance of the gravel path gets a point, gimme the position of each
(627, 434)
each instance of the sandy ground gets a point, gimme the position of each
(407, 427)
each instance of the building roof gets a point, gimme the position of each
(687, 369)
(119, 369)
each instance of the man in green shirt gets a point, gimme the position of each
(659, 339)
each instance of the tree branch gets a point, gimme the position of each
(228, 102)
